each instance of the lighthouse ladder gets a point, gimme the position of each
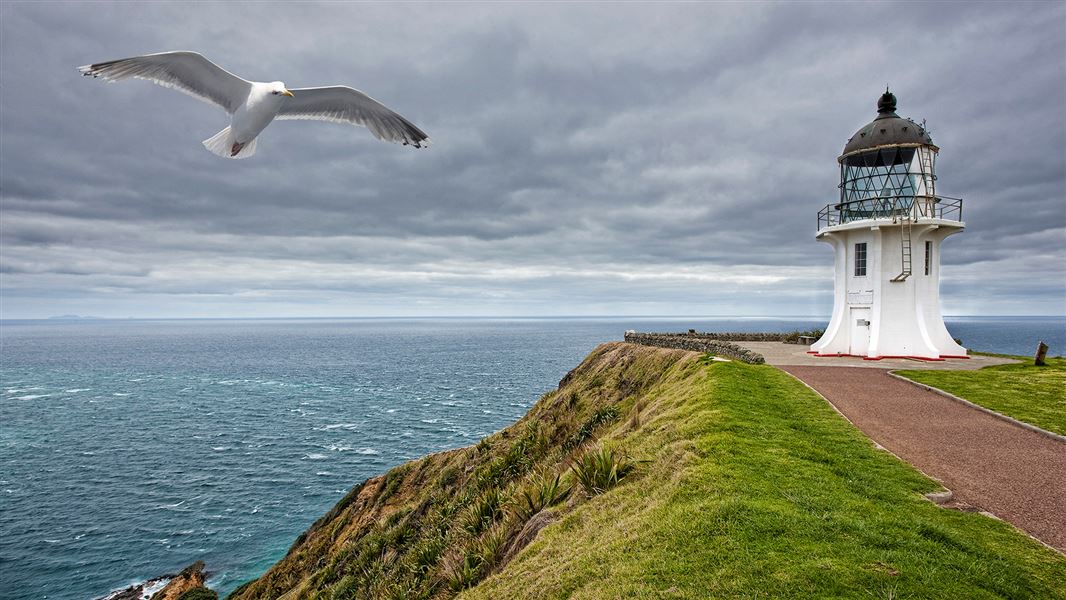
(926, 162)
(905, 247)
(929, 181)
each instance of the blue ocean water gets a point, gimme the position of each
(132, 448)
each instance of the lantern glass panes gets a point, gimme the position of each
(881, 181)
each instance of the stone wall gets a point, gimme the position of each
(737, 336)
(702, 342)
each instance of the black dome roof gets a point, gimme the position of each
(887, 129)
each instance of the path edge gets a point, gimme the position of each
(998, 415)
(931, 477)
(875, 443)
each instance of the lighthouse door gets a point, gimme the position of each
(860, 331)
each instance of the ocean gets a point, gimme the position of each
(130, 449)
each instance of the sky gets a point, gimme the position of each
(587, 159)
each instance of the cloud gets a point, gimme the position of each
(651, 159)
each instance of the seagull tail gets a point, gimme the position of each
(222, 142)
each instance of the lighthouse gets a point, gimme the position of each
(886, 230)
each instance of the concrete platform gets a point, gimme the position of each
(777, 353)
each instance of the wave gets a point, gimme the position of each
(31, 396)
(315, 456)
(367, 451)
(20, 390)
(143, 590)
(349, 426)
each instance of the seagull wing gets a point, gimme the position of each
(341, 104)
(187, 72)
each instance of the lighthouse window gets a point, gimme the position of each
(928, 256)
(860, 260)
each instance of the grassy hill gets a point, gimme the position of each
(660, 474)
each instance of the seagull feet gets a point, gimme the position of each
(235, 150)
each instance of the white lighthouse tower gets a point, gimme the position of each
(886, 231)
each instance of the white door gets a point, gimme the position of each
(860, 331)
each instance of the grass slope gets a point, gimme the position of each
(1029, 393)
(746, 484)
(755, 487)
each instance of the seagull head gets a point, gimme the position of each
(278, 88)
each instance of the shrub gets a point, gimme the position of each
(573, 400)
(635, 418)
(600, 469)
(793, 337)
(518, 459)
(391, 483)
(461, 570)
(489, 548)
(542, 490)
(425, 555)
(199, 593)
(600, 417)
(483, 512)
(448, 476)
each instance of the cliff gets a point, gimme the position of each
(438, 525)
(655, 472)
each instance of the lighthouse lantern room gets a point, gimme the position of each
(886, 230)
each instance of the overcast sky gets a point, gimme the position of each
(589, 159)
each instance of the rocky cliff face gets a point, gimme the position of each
(433, 527)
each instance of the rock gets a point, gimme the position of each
(191, 578)
(940, 498)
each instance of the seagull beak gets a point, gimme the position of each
(288, 93)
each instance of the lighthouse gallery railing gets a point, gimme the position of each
(891, 207)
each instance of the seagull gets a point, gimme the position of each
(252, 105)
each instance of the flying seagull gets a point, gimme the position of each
(252, 105)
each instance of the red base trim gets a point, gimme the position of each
(950, 356)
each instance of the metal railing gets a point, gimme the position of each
(891, 207)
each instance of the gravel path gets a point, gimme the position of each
(1016, 474)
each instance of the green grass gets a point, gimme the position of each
(1036, 395)
(754, 487)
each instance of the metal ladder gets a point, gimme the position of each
(914, 212)
(929, 179)
(905, 247)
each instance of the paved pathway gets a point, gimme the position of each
(992, 464)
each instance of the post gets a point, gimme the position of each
(1041, 354)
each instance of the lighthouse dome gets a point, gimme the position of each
(888, 129)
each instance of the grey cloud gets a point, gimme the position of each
(573, 145)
